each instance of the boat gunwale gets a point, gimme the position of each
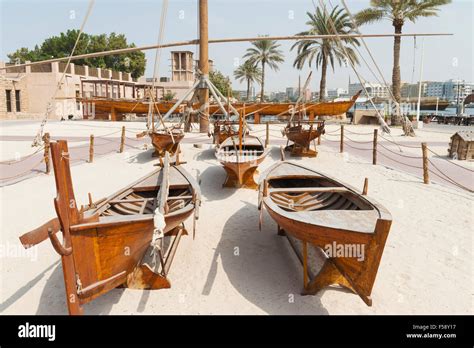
(383, 213)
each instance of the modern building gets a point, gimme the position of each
(290, 93)
(337, 93)
(455, 91)
(373, 90)
(411, 90)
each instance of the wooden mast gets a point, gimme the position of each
(240, 127)
(203, 95)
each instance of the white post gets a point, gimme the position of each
(419, 123)
(437, 101)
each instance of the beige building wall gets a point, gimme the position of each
(37, 86)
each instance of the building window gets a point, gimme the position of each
(9, 100)
(17, 101)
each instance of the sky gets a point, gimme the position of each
(25, 23)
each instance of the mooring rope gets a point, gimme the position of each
(39, 135)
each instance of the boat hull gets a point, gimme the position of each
(163, 142)
(327, 215)
(302, 138)
(241, 166)
(107, 243)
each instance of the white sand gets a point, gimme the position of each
(427, 266)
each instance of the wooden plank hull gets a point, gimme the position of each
(241, 166)
(163, 142)
(223, 130)
(125, 106)
(301, 137)
(106, 244)
(325, 214)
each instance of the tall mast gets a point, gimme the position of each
(241, 121)
(203, 95)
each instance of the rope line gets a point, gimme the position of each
(23, 173)
(357, 148)
(356, 141)
(449, 178)
(398, 154)
(441, 157)
(10, 162)
(403, 163)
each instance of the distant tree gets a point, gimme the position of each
(325, 52)
(398, 12)
(62, 45)
(169, 96)
(265, 52)
(221, 82)
(250, 73)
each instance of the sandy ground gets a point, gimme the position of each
(231, 267)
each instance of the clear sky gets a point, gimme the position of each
(25, 23)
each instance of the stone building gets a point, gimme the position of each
(25, 92)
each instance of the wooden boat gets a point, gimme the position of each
(312, 208)
(223, 130)
(104, 107)
(302, 136)
(241, 158)
(105, 244)
(166, 141)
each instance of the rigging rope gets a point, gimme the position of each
(39, 135)
(377, 67)
(343, 48)
(156, 67)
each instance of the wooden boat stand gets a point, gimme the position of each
(245, 180)
(337, 272)
(297, 150)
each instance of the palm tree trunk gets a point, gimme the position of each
(322, 84)
(262, 89)
(248, 89)
(396, 61)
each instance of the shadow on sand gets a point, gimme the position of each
(143, 157)
(261, 266)
(53, 297)
(212, 177)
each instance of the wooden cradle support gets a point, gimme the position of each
(243, 179)
(297, 150)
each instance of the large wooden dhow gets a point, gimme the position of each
(315, 210)
(107, 244)
(241, 157)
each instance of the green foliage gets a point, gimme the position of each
(62, 45)
(314, 50)
(169, 96)
(324, 52)
(221, 82)
(265, 52)
(250, 73)
(398, 11)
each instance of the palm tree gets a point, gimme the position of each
(398, 11)
(265, 52)
(250, 73)
(325, 51)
